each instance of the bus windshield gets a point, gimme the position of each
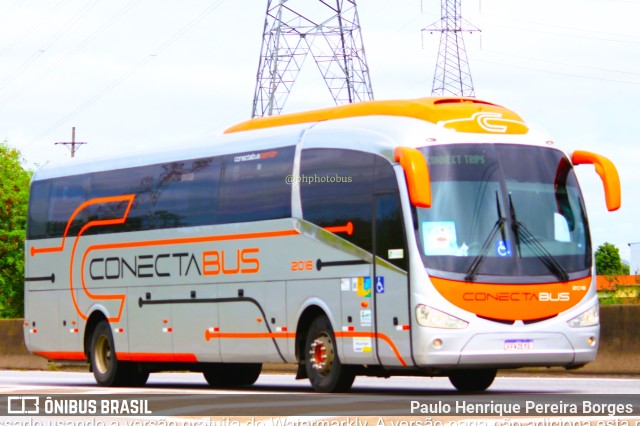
(503, 213)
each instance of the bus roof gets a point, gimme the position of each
(466, 115)
(399, 122)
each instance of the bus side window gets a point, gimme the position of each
(186, 193)
(254, 186)
(38, 210)
(337, 188)
(67, 194)
(138, 181)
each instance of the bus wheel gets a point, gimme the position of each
(232, 374)
(472, 380)
(107, 370)
(326, 372)
(136, 376)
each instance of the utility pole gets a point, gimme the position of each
(73, 145)
(452, 75)
(330, 31)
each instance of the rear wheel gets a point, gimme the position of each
(324, 369)
(472, 380)
(232, 374)
(107, 370)
(136, 377)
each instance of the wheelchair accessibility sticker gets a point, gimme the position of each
(503, 248)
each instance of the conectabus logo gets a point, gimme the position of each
(182, 264)
(506, 296)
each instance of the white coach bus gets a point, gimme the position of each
(433, 237)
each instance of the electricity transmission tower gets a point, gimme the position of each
(329, 30)
(452, 76)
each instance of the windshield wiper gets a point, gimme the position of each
(520, 230)
(498, 226)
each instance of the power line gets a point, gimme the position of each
(66, 27)
(186, 28)
(30, 29)
(562, 27)
(556, 72)
(11, 11)
(580, 36)
(562, 63)
(93, 99)
(16, 94)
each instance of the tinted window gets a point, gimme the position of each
(52, 204)
(66, 196)
(38, 209)
(185, 193)
(254, 186)
(337, 188)
(175, 194)
(389, 231)
(137, 181)
(384, 180)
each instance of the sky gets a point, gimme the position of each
(138, 74)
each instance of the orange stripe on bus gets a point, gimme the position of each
(102, 200)
(103, 222)
(195, 240)
(156, 357)
(208, 335)
(347, 229)
(350, 334)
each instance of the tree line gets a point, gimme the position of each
(14, 198)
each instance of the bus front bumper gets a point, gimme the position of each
(510, 350)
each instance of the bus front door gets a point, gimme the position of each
(390, 286)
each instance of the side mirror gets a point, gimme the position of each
(417, 174)
(607, 172)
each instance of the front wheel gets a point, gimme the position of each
(324, 369)
(472, 380)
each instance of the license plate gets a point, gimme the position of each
(518, 345)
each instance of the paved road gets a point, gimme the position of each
(63, 381)
(186, 394)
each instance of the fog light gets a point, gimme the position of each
(591, 341)
(437, 343)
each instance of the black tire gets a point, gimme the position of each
(107, 370)
(136, 377)
(232, 374)
(472, 380)
(324, 369)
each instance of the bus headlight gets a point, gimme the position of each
(430, 317)
(587, 318)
